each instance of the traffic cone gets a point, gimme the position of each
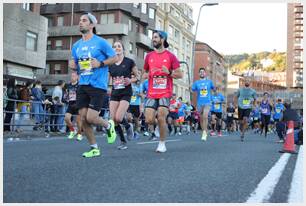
(289, 146)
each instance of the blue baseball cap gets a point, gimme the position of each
(164, 36)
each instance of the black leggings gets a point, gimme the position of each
(265, 119)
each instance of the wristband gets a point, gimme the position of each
(102, 64)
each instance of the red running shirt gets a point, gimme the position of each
(160, 83)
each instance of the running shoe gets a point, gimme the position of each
(219, 134)
(122, 146)
(280, 141)
(93, 152)
(71, 135)
(212, 133)
(204, 136)
(111, 133)
(136, 135)
(161, 148)
(179, 133)
(146, 134)
(79, 137)
(130, 132)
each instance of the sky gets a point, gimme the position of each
(235, 28)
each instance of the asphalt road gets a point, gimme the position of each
(220, 170)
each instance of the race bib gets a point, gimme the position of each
(133, 99)
(118, 83)
(246, 102)
(264, 110)
(72, 96)
(203, 93)
(230, 114)
(278, 110)
(217, 106)
(85, 66)
(255, 118)
(159, 82)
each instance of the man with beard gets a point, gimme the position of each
(246, 98)
(160, 66)
(91, 57)
(203, 87)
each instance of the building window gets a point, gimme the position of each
(171, 30)
(50, 21)
(175, 51)
(131, 48)
(177, 14)
(144, 8)
(159, 24)
(107, 18)
(177, 34)
(150, 33)
(137, 51)
(57, 69)
(136, 27)
(58, 45)
(151, 13)
(49, 45)
(188, 46)
(136, 5)
(171, 10)
(189, 27)
(47, 71)
(60, 21)
(130, 25)
(31, 41)
(26, 6)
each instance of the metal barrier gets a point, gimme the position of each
(46, 116)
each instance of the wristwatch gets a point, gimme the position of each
(102, 64)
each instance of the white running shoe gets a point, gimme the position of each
(204, 136)
(161, 148)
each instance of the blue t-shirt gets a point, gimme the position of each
(83, 51)
(145, 85)
(182, 109)
(135, 98)
(203, 88)
(278, 111)
(255, 113)
(217, 103)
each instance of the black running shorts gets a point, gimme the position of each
(90, 97)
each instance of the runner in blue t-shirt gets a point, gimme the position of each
(278, 110)
(91, 57)
(255, 114)
(203, 88)
(134, 109)
(216, 111)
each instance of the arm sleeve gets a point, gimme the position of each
(194, 87)
(212, 85)
(175, 64)
(146, 64)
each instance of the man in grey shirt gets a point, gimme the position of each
(246, 98)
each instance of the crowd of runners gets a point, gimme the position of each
(144, 102)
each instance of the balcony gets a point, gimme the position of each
(105, 29)
(143, 40)
(57, 55)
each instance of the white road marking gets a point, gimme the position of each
(266, 186)
(296, 188)
(171, 140)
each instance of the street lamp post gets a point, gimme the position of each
(196, 31)
(189, 80)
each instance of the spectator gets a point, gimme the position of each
(59, 106)
(10, 107)
(23, 107)
(39, 100)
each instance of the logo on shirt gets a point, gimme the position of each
(92, 47)
(85, 48)
(151, 60)
(165, 60)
